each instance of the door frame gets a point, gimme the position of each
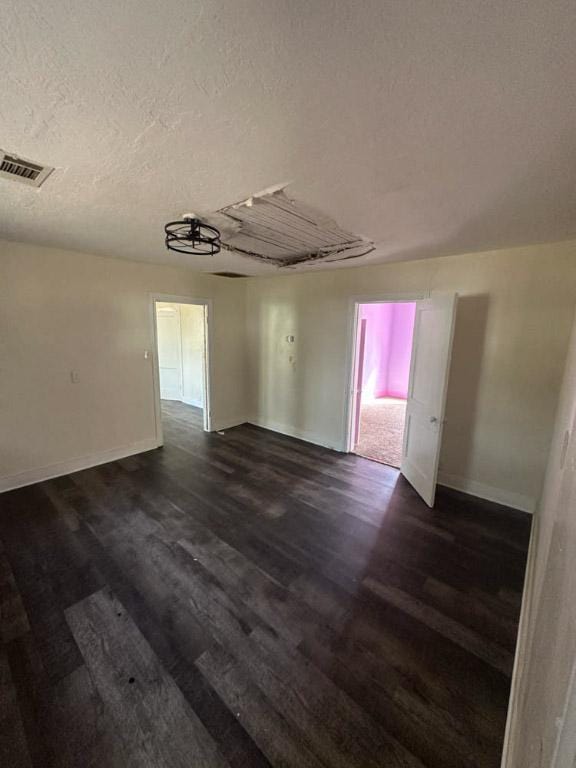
(352, 352)
(154, 298)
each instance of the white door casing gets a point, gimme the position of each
(431, 354)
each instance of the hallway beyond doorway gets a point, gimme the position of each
(182, 368)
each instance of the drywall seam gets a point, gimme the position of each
(488, 492)
(39, 474)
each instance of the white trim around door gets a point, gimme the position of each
(351, 353)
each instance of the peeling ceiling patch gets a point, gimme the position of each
(273, 228)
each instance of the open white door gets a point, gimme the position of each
(431, 351)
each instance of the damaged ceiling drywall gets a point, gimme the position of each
(275, 229)
(428, 127)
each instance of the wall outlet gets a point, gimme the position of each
(74, 377)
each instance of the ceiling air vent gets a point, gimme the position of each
(18, 169)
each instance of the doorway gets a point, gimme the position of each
(412, 423)
(384, 351)
(181, 362)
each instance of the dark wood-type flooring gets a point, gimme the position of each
(247, 599)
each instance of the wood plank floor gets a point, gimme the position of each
(245, 599)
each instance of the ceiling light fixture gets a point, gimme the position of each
(190, 235)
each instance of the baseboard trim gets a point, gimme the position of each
(222, 424)
(471, 487)
(304, 434)
(457, 483)
(38, 475)
(195, 403)
(488, 492)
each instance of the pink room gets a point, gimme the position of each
(384, 347)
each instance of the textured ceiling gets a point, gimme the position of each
(428, 127)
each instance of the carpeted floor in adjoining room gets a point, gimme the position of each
(382, 430)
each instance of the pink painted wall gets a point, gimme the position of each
(400, 349)
(388, 348)
(376, 350)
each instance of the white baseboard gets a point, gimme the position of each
(304, 434)
(195, 403)
(488, 492)
(38, 475)
(471, 487)
(219, 425)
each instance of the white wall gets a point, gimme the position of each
(512, 327)
(542, 705)
(63, 311)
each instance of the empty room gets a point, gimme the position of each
(288, 384)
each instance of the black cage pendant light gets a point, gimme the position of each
(192, 236)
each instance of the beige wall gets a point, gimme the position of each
(63, 311)
(542, 730)
(512, 326)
